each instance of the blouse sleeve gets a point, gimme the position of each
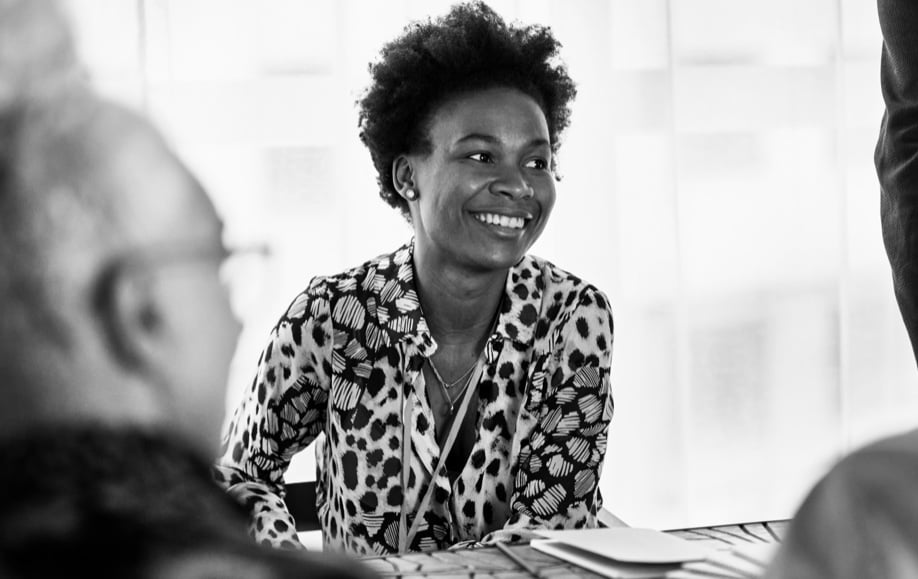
(279, 416)
(556, 479)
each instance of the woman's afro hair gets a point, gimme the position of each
(470, 48)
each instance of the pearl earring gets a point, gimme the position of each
(411, 194)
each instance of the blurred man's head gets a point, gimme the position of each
(37, 55)
(111, 308)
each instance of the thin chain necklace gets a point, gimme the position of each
(446, 387)
(450, 385)
(467, 375)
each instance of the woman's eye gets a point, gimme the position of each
(481, 157)
(540, 164)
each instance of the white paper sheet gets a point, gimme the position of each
(630, 545)
(602, 565)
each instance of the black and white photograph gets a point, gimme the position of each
(415, 289)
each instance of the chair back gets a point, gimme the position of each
(301, 502)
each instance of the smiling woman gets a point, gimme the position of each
(488, 190)
(462, 385)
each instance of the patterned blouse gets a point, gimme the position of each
(345, 361)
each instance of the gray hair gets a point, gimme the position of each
(57, 211)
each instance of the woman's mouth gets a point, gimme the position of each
(505, 221)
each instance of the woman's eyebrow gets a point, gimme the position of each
(479, 137)
(537, 142)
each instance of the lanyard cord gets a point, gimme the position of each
(405, 539)
(406, 472)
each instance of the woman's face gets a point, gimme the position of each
(486, 189)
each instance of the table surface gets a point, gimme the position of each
(490, 562)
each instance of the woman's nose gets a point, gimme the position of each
(512, 183)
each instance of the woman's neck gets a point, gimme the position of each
(459, 305)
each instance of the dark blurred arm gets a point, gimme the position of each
(897, 153)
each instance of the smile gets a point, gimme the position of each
(501, 220)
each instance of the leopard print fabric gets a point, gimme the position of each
(345, 362)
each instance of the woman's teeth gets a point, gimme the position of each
(502, 220)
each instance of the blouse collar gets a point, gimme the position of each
(395, 305)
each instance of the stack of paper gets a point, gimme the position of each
(623, 552)
(740, 562)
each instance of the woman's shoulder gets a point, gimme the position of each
(556, 286)
(370, 276)
(547, 302)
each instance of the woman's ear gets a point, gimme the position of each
(403, 178)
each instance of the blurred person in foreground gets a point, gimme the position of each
(861, 520)
(459, 386)
(115, 338)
